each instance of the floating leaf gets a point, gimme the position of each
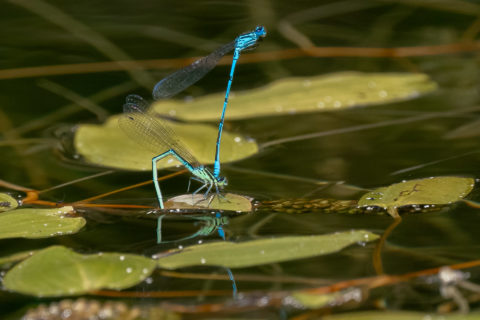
(7, 202)
(434, 190)
(38, 223)
(298, 95)
(107, 145)
(263, 251)
(58, 271)
(229, 201)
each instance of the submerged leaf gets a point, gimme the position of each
(468, 130)
(314, 300)
(296, 206)
(434, 190)
(107, 145)
(229, 201)
(399, 315)
(7, 202)
(263, 251)
(39, 223)
(58, 271)
(92, 309)
(299, 95)
(18, 256)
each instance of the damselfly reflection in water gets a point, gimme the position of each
(156, 135)
(212, 223)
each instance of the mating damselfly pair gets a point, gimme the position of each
(156, 135)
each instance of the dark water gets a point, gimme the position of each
(367, 159)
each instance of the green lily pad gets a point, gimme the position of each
(58, 271)
(434, 190)
(263, 251)
(7, 202)
(299, 95)
(229, 201)
(39, 223)
(107, 145)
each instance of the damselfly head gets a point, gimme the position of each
(222, 181)
(260, 31)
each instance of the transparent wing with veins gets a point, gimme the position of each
(154, 134)
(184, 78)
